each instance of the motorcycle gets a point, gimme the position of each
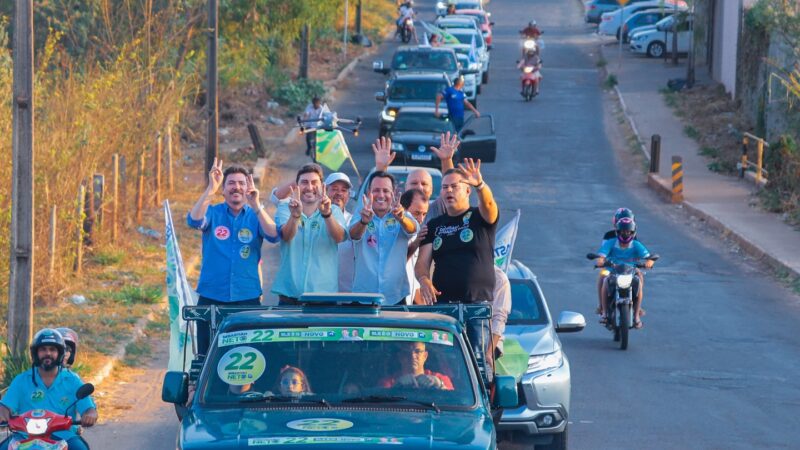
(530, 81)
(407, 30)
(34, 429)
(619, 303)
(532, 43)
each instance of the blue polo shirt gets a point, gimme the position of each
(455, 102)
(24, 395)
(381, 255)
(310, 261)
(618, 255)
(231, 253)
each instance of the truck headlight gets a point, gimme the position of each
(388, 115)
(537, 363)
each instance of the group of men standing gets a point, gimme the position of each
(389, 244)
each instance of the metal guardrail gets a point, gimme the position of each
(758, 167)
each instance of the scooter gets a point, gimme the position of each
(34, 429)
(619, 303)
(530, 43)
(530, 82)
(407, 30)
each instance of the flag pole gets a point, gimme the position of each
(513, 239)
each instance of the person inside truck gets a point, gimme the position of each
(413, 374)
(293, 382)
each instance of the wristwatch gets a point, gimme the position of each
(481, 186)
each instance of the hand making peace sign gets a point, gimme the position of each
(397, 209)
(252, 193)
(295, 206)
(324, 202)
(366, 211)
(215, 176)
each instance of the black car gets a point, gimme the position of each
(423, 58)
(416, 129)
(409, 89)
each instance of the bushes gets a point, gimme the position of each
(782, 161)
(297, 93)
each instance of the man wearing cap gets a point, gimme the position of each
(380, 233)
(338, 186)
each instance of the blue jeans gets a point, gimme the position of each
(203, 330)
(74, 443)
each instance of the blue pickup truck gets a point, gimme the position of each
(339, 371)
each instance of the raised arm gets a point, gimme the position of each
(289, 229)
(357, 229)
(335, 229)
(264, 220)
(384, 155)
(215, 177)
(448, 144)
(473, 177)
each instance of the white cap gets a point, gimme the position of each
(338, 176)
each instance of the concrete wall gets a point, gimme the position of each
(726, 36)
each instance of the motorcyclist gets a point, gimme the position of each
(70, 345)
(406, 11)
(47, 386)
(531, 31)
(619, 214)
(532, 59)
(625, 249)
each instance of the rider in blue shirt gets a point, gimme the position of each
(232, 235)
(625, 249)
(48, 386)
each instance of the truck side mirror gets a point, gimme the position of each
(175, 388)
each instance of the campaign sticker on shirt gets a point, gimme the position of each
(315, 225)
(372, 241)
(222, 232)
(241, 366)
(37, 395)
(371, 227)
(391, 223)
(466, 217)
(245, 236)
(466, 235)
(244, 252)
(437, 242)
(320, 424)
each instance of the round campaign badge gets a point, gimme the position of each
(372, 241)
(391, 223)
(222, 232)
(467, 217)
(466, 235)
(245, 236)
(37, 395)
(244, 252)
(437, 242)
(371, 227)
(241, 365)
(320, 424)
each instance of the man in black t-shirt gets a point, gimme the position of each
(461, 243)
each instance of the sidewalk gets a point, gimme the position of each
(723, 201)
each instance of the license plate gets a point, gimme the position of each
(421, 156)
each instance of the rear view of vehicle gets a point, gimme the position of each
(408, 89)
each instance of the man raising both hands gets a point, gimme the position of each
(232, 235)
(380, 233)
(311, 228)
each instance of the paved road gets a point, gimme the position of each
(715, 365)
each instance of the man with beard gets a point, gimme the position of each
(380, 238)
(233, 232)
(311, 229)
(47, 386)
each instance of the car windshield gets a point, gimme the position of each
(466, 37)
(416, 89)
(441, 61)
(526, 304)
(339, 365)
(427, 123)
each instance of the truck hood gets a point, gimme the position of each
(535, 339)
(416, 138)
(401, 103)
(359, 427)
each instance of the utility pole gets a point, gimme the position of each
(20, 291)
(690, 60)
(212, 102)
(305, 49)
(344, 36)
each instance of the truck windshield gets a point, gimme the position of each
(423, 123)
(339, 365)
(416, 90)
(417, 60)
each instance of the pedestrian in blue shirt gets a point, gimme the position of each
(47, 385)
(456, 101)
(232, 235)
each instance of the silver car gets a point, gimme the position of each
(542, 415)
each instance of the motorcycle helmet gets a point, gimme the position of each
(47, 336)
(619, 214)
(71, 341)
(532, 23)
(626, 230)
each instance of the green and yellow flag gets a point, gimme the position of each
(331, 150)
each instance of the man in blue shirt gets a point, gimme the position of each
(311, 229)
(232, 235)
(380, 235)
(456, 101)
(47, 386)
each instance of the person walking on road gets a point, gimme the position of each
(233, 232)
(456, 101)
(311, 228)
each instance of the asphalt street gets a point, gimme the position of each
(715, 366)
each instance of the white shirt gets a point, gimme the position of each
(315, 113)
(412, 279)
(501, 304)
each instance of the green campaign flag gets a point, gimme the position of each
(331, 149)
(514, 361)
(179, 294)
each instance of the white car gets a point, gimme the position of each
(611, 22)
(457, 21)
(652, 41)
(441, 5)
(464, 36)
(471, 85)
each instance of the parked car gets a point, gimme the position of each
(611, 22)
(654, 42)
(595, 8)
(542, 415)
(483, 21)
(465, 37)
(325, 375)
(664, 23)
(409, 88)
(416, 129)
(643, 19)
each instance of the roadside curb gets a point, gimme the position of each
(120, 351)
(664, 190)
